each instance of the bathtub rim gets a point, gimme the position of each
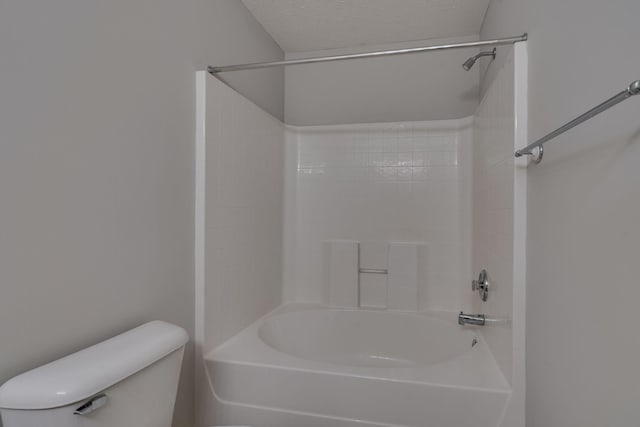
(242, 348)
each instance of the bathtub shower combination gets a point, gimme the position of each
(318, 366)
(357, 320)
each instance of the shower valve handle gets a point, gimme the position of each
(481, 285)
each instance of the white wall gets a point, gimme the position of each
(96, 165)
(378, 183)
(583, 234)
(431, 86)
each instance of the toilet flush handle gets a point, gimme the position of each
(96, 402)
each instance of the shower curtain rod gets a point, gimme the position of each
(256, 65)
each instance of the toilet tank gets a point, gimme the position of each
(128, 380)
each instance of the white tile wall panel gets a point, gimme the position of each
(404, 266)
(341, 273)
(385, 182)
(493, 209)
(243, 204)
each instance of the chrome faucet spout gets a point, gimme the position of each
(471, 319)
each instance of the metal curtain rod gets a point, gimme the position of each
(253, 66)
(633, 89)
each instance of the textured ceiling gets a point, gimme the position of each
(303, 25)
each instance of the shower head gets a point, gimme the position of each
(469, 62)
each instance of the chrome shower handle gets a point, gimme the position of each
(481, 285)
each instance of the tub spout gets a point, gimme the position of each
(471, 319)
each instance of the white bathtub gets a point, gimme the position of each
(312, 366)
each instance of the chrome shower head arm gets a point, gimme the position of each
(471, 61)
(492, 54)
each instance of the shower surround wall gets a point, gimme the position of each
(493, 168)
(499, 220)
(375, 184)
(241, 181)
(239, 203)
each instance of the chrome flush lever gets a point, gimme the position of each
(481, 285)
(95, 403)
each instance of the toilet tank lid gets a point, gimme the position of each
(83, 374)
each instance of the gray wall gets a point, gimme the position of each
(583, 210)
(227, 33)
(430, 86)
(97, 165)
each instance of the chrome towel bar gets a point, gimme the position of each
(633, 89)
